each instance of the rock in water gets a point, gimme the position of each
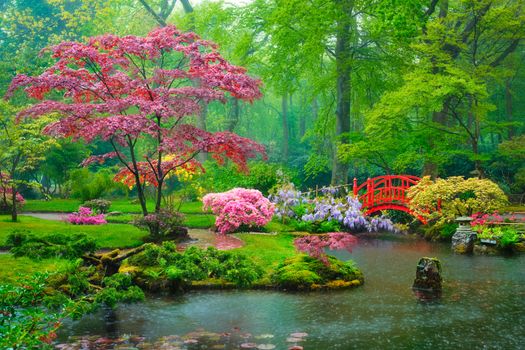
(427, 284)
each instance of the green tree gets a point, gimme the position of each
(22, 147)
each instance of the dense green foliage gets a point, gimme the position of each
(163, 267)
(262, 176)
(26, 322)
(23, 243)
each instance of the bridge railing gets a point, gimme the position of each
(384, 189)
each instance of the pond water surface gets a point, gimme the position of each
(482, 306)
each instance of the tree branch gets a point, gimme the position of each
(152, 12)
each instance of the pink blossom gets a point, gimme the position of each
(239, 206)
(314, 245)
(85, 216)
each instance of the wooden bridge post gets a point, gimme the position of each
(355, 187)
(370, 193)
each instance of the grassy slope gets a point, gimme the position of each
(268, 250)
(11, 267)
(107, 236)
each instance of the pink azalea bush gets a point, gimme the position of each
(239, 206)
(86, 216)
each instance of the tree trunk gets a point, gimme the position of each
(109, 263)
(14, 213)
(430, 166)
(140, 190)
(233, 116)
(286, 134)
(343, 63)
(315, 108)
(201, 124)
(508, 107)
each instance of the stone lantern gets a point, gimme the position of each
(464, 238)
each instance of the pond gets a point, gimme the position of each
(483, 305)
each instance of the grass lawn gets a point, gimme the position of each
(11, 267)
(514, 208)
(268, 250)
(190, 220)
(107, 236)
(123, 205)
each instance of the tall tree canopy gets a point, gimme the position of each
(133, 89)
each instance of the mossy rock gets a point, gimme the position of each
(340, 284)
(129, 269)
(461, 249)
(519, 247)
(483, 249)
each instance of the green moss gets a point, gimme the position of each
(293, 277)
(304, 272)
(268, 250)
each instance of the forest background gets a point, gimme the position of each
(352, 88)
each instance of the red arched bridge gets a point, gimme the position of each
(386, 192)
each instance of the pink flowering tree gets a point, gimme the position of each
(316, 245)
(239, 207)
(6, 195)
(127, 89)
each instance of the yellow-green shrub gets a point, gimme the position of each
(458, 197)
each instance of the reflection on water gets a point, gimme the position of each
(482, 306)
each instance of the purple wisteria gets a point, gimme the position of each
(347, 211)
(285, 199)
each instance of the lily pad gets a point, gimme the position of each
(264, 336)
(294, 339)
(299, 335)
(248, 346)
(265, 346)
